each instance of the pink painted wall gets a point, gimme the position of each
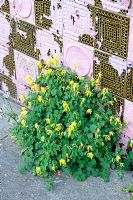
(71, 20)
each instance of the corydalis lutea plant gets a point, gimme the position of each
(69, 126)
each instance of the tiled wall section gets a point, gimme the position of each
(96, 35)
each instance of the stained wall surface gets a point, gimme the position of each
(96, 35)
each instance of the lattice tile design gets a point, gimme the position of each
(120, 85)
(48, 15)
(41, 8)
(23, 39)
(77, 20)
(110, 76)
(98, 3)
(49, 44)
(129, 85)
(58, 39)
(113, 32)
(86, 39)
(9, 62)
(5, 7)
(5, 81)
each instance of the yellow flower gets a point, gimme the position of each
(48, 63)
(81, 77)
(97, 133)
(40, 66)
(100, 75)
(98, 80)
(49, 132)
(37, 126)
(23, 108)
(24, 113)
(66, 106)
(118, 122)
(98, 130)
(19, 116)
(43, 90)
(48, 72)
(81, 145)
(63, 72)
(23, 123)
(111, 133)
(55, 61)
(43, 139)
(89, 148)
(22, 98)
(67, 156)
(111, 119)
(92, 82)
(96, 136)
(58, 127)
(38, 170)
(29, 80)
(87, 91)
(126, 123)
(131, 144)
(29, 104)
(71, 82)
(111, 103)
(89, 111)
(90, 155)
(71, 128)
(53, 168)
(61, 134)
(97, 116)
(107, 138)
(75, 86)
(39, 99)
(121, 165)
(36, 88)
(62, 162)
(118, 158)
(82, 101)
(104, 91)
(75, 66)
(47, 121)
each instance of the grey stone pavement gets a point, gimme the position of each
(16, 186)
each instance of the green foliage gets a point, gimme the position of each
(130, 190)
(67, 124)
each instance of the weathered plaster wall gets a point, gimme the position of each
(93, 35)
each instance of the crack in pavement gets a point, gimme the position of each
(1, 139)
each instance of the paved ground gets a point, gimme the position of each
(16, 186)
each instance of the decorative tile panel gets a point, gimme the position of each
(23, 9)
(78, 57)
(110, 75)
(4, 6)
(25, 66)
(112, 32)
(49, 43)
(77, 21)
(118, 80)
(23, 38)
(7, 85)
(129, 84)
(48, 15)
